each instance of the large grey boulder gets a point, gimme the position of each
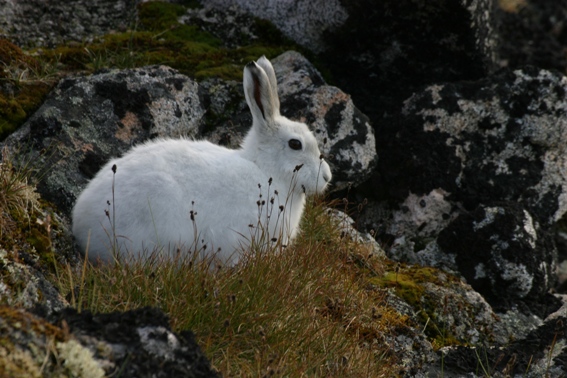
(343, 130)
(482, 164)
(498, 139)
(88, 119)
(38, 23)
(505, 255)
(542, 353)
(304, 21)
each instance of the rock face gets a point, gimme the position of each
(504, 255)
(55, 22)
(499, 139)
(86, 120)
(480, 165)
(140, 342)
(343, 131)
(304, 21)
(135, 343)
(543, 353)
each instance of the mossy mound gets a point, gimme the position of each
(159, 38)
(445, 306)
(21, 89)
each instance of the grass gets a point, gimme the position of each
(18, 198)
(303, 311)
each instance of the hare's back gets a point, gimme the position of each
(190, 164)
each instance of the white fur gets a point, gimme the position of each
(158, 184)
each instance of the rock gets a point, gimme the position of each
(344, 134)
(88, 119)
(460, 152)
(532, 33)
(23, 286)
(505, 255)
(37, 23)
(342, 130)
(499, 139)
(347, 227)
(139, 343)
(542, 353)
(386, 51)
(231, 25)
(303, 21)
(135, 343)
(456, 146)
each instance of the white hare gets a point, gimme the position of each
(171, 195)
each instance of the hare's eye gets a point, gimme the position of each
(294, 144)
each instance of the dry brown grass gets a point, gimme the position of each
(17, 197)
(306, 310)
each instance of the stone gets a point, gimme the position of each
(24, 286)
(498, 139)
(139, 343)
(504, 255)
(231, 25)
(542, 353)
(387, 50)
(87, 119)
(343, 131)
(532, 32)
(345, 135)
(36, 23)
(304, 21)
(136, 343)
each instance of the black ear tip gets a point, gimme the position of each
(251, 64)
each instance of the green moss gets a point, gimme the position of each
(158, 16)
(39, 239)
(408, 282)
(25, 94)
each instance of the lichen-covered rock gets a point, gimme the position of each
(389, 49)
(449, 310)
(134, 344)
(88, 119)
(304, 21)
(347, 227)
(458, 149)
(499, 139)
(344, 134)
(231, 25)
(532, 32)
(504, 254)
(23, 286)
(138, 343)
(37, 23)
(542, 353)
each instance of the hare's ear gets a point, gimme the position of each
(259, 94)
(269, 70)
